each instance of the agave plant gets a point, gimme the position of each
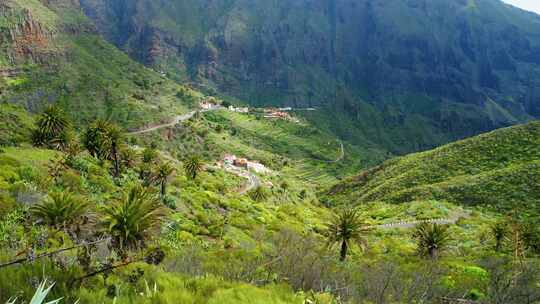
(346, 226)
(133, 219)
(61, 209)
(39, 296)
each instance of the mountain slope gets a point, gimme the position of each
(51, 53)
(500, 169)
(407, 75)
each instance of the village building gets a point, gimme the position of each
(241, 162)
(239, 109)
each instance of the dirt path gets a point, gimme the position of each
(253, 180)
(341, 153)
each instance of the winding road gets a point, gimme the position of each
(412, 224)
(176, 120)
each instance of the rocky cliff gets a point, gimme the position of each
(452, 68)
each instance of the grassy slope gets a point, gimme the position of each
(499, 169)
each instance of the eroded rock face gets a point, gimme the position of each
(25, 37)
(301, 50)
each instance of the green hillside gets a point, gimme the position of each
(115, 189)
(52, 54)
(498, 169)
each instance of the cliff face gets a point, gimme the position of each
(23, 36)
(454, 67)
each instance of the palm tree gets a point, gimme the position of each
(96, 139)
(499, 232)
(193, 165)
(51, 127)
(102, 139)
(62, 209)
(115, 136)
(163, 172)
(346, 226)
(133, 219)
(432, 239)
(258, 194)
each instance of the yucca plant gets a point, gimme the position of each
(62, 209)
(133, 219)
(431, 239)
(345, 227)
(193, 165)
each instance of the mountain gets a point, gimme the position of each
(500, 170)
(405, 75)
(51, 53)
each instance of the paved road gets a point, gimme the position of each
(253, 180)
(176, 120)
(412, 224)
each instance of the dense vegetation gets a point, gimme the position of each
(500, 170)
(113, 216)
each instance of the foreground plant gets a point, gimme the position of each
(133, 219)
(346, 226)
(39, 297)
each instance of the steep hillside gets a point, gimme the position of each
(500, 170)
(407, 75)
(51, 53)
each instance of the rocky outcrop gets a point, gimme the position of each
(27, 38)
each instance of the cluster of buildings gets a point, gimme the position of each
(269, 113)
(232, 160)
(239, 109)
(281, 113)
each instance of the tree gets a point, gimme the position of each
(346, 226)
(163, 172)
(52, 128)
(432, 239)
(62, 210)
(103, 139)
(96, 139)
(258, 194)
(115, 135)
(193, 165)
(133, 219)
(499, 232)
